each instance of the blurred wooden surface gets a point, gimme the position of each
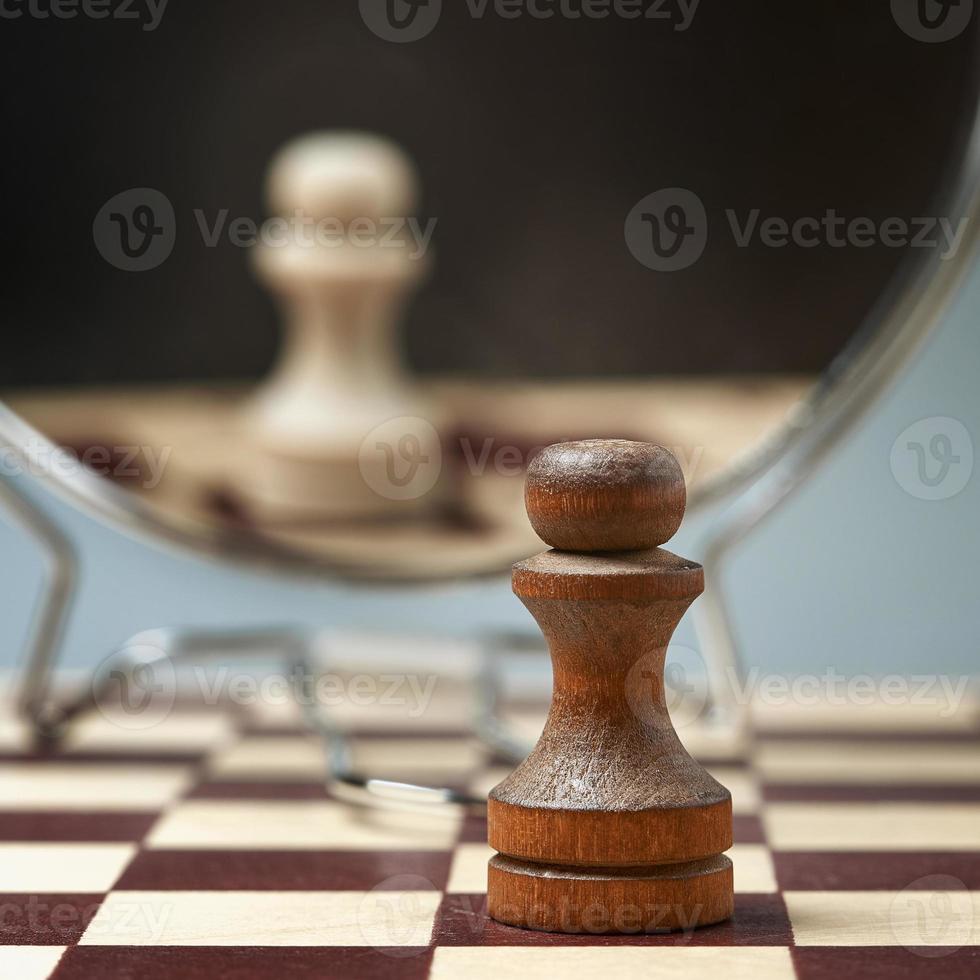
(201, 452)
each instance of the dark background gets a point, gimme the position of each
(534, 139)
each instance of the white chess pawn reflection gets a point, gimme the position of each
(340, 427)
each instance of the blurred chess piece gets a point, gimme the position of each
(340, 430)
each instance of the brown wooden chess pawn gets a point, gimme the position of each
(608, 825)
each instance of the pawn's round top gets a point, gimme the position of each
(605, 495)
(342, 176)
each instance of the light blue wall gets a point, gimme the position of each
(857, 572)
(852, 572)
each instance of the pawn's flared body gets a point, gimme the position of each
(608, 826)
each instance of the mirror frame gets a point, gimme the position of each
(890, 337)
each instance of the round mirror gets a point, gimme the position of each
(314, 284)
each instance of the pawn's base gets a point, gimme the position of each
(629, 901)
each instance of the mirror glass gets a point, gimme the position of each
(326, 275)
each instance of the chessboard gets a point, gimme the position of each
(208, 845)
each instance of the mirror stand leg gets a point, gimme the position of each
(344, 781)
(488, 690)
(34, 699)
